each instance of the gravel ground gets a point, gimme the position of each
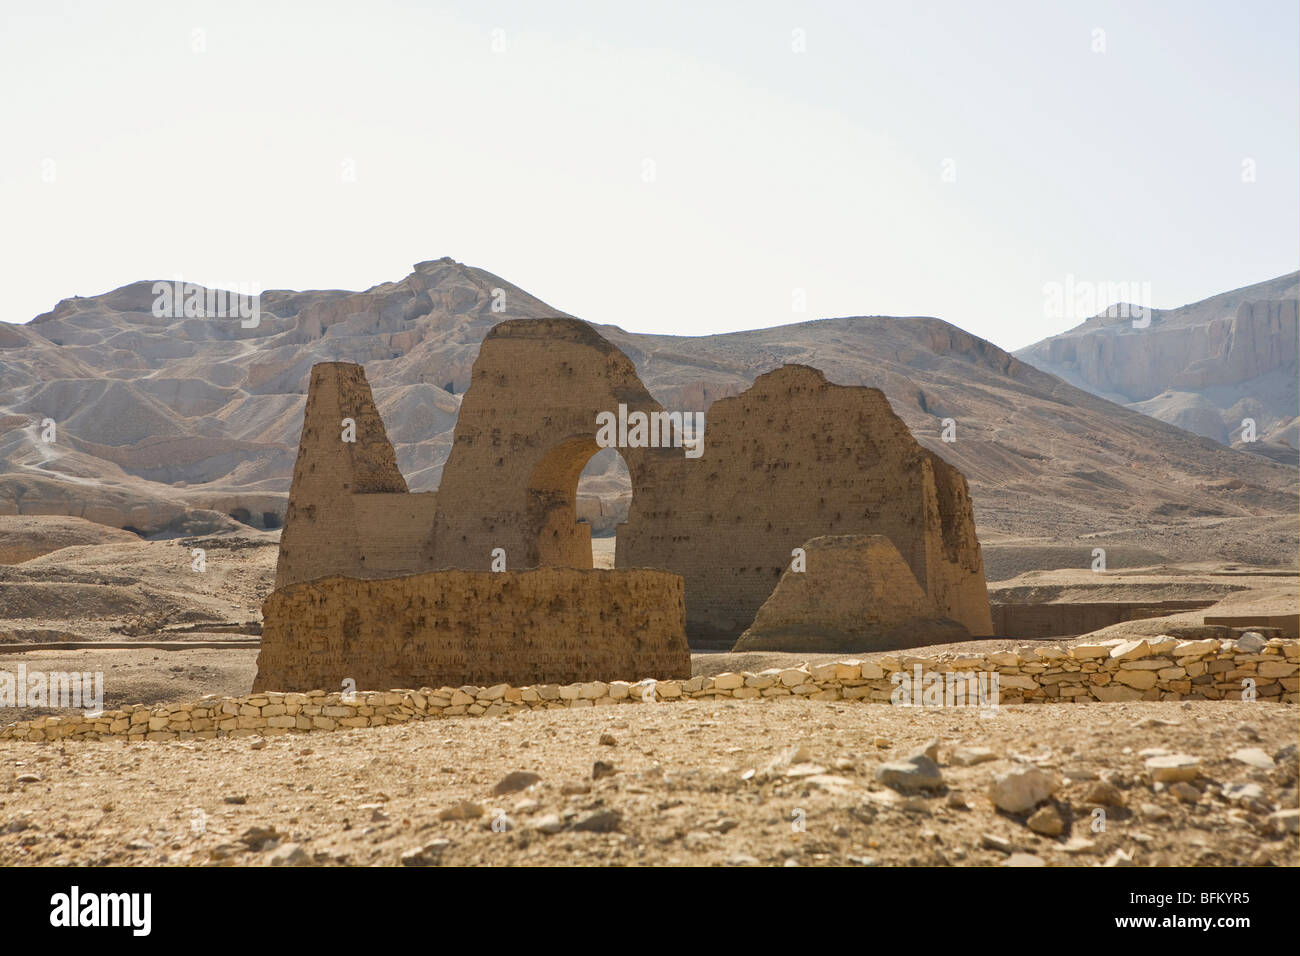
(770, 782)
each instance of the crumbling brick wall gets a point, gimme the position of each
(549, 625)
(526, 429)
(322, 535)
(789, 459)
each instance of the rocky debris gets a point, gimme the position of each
(1103, 793)
(1023, 859)
(1021, 788)
(550, 823)
(608, 740)
(462, 810)
(1077, 845)
(1047, 821)
(918, 772)
(970, 756)
(993, 841)
(1185, 792)
(366, 798)
(289, 854)
(430, 854)
(1172, 767)
(1254, 757)
(602, 768)
(1285, 821)
(598, 821)
(515, 781)
(259, 838)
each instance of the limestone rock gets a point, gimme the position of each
(1167, 769)
(1021, 788)
(915, 772)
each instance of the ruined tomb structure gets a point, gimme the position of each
(792, 458)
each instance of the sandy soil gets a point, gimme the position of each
(671, 784)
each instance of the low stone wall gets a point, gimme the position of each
(1113, 671)
(474, 627)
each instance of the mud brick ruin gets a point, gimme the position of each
(370, 582)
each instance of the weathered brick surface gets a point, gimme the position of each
(792, 458)
(854, 594)
(548, 625)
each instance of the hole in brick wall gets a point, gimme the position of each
(604, 496)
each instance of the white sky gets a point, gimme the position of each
(774, 170)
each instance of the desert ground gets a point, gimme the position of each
(767, 782)
(733, 783)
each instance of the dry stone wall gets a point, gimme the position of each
(1160, 669)
(461, 627)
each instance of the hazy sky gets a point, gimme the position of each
(666, 167)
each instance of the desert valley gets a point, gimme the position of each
(1133, 489)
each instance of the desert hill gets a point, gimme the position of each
(167, 425)
(1204, 367)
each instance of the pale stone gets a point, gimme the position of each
(915, 772)
(822, 672)
(970, 756)
(1254, 757)
(1195, 648)
(1141, 680)
(1021, 788)
(1130, 651)
(1168, 769)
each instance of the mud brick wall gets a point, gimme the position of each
(460, 627)
(856, 594)
(1046, 674)
(321, 534)
(792, 458)
(1035, 621)
(525, 431)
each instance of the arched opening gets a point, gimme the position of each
(242, 515)
(604, 496)
(578, 495)
(270, 520)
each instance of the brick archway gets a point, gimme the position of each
(526, 429)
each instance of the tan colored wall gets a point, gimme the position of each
(789, 459)
(792, 458)
(525, 431)
(1288, 625)
(321, 535)
(1080, 617)
(856, 594)
(462, 627)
